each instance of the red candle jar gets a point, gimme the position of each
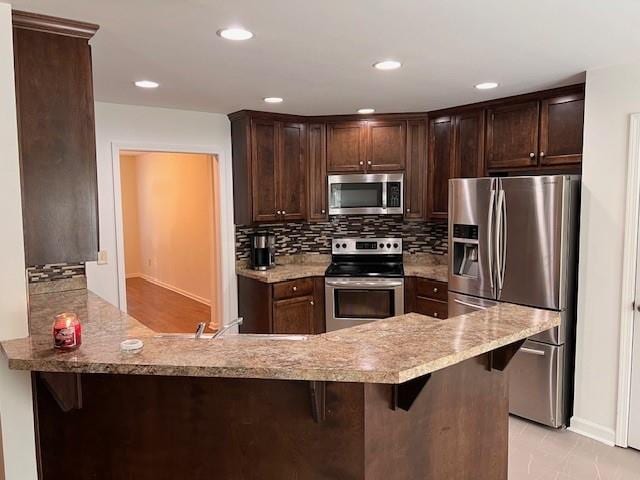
(67, 331)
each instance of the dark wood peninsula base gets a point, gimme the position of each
(159, 427)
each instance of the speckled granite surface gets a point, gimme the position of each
(288, 267)
(388, 351)
(291, 267)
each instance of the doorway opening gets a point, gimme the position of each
(171, 233)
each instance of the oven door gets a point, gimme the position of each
(354, 301)
(365, 194)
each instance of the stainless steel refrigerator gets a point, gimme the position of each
(514, 240)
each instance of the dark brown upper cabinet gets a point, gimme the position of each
(366, 146)
(416, 170)
(512, 135)
(269, 168)
(441, 152)
(56, 128)
(386, 145)
(317, 172)
(456, 144)
(346, 146)
(561, 128)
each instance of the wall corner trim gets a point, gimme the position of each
(593, 430)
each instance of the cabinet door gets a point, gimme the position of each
(294, 316)
(346, 146)
(54, 95)
(386, 145)
(561, 126)
(317, 176)
(512, 136)
(469, 145)
(263, 170)
(441, 151)
(416, 170)
(291, 171)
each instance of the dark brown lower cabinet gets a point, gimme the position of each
(291, 307)
(426, 297)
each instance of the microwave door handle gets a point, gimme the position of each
(384, 195)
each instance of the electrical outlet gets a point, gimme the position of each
(102, 257)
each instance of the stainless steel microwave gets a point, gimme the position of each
(368, 193)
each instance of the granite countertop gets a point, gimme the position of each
(389, 351)
(292, 267)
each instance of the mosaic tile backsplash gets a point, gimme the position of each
(55, 271)
(301, 237)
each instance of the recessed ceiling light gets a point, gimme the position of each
(366, 110)
(387, 65)
(273, 99)
(486, 85)
(235, 33)
(146, 84)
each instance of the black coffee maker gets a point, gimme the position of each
(263, 249)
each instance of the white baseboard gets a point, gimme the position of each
(162, 284)
(132, 275)
(592, 430)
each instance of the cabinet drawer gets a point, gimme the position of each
(432, 308)
(431, 289)
(293, 288)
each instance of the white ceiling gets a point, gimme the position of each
(317, 54)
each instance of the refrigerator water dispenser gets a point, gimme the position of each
(465, 250)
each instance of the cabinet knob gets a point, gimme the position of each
(542, 154)
(435, 289)
(369, 162)
(323, 211)
(294, 288)
(311, 302)
(532, 155)
(278, 212)
(283, 212)
(408, 210)
(435, 314)
(361, 163)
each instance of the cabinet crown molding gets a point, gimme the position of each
(55, 25)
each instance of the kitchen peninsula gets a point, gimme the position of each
(404, 398)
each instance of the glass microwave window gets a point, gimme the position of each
(364, 303)
(356, 195)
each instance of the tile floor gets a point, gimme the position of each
(538, 453)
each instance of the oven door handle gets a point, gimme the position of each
(364, 284)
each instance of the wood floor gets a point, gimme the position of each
(163, 310)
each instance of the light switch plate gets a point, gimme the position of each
(102, 257)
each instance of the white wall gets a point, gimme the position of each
(134, 127)
(612, 94)
(16, 415)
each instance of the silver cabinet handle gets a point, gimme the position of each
(435, 289)
(311, 302)
(361, 163)
(435, 314)
(294, 288)
(408, 210)
(542, 154)
(283, 212)
(369, 162)
(323, 211)
(278, 212)
(532, 155)
(532, 351)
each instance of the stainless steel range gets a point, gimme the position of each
(364, 282)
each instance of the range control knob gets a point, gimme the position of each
(337, 245)
(344, 245)
(395, 245)
(388, 245)
(382, 245)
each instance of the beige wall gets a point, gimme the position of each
(612, 94)
(167, 218)
(16, 407)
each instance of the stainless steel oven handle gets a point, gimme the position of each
(479, 307)
(356, 284)
(532, 351)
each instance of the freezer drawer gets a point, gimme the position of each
(460, 304)
(536, 383)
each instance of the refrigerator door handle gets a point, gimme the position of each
(503, 237)
(490, 235)
(498, 237)
(532, 351)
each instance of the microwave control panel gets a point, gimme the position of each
(394, 191)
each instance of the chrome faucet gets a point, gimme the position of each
(223, 330)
